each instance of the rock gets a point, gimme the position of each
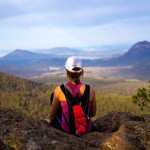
(115, 131)
(126, 131)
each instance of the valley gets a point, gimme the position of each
(133, 64)
(89, 71)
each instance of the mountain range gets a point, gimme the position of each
(26, 63)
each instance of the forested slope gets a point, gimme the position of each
(29, 97)
(32, 97)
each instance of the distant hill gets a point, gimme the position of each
(45, 54)
(139, 52)
(138, 57)
(139, 49)
(60, 51)
(26, 64)
(133, 64)
(24, 55)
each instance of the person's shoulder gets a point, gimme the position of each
(57, 89)
(91, 86)
(92, 89)
(58, 94)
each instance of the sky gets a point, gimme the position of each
(36, 24)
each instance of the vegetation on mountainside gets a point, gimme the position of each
(111, 94)
(142, 97)
(32, 98)
(117, 97)
(29, 97)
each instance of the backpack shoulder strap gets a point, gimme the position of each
(85, 97)
(87, 91)
(71, 125)
(64, 90)
(69, 97)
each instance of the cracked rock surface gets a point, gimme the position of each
(115, 131)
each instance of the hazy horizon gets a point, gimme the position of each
(114, 48)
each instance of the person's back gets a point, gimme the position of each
(71, 94)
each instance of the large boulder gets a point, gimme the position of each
(125, 131)
(116, 131)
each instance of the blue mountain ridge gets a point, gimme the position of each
(26, 63)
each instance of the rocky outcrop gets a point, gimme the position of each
(116, 131)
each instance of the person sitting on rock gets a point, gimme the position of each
(74, 102)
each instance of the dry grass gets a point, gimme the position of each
(94, 72)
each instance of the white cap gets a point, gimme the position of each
(73, 62)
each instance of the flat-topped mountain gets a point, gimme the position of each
(25, 55)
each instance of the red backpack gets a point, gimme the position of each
(80, 119)
(78, 110)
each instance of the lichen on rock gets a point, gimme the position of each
(115, 131)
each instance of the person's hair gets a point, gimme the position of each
(75, 75)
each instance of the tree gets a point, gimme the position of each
(142, 97)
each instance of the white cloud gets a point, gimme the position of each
(47, 23)
(70, 13)
(51, 36)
